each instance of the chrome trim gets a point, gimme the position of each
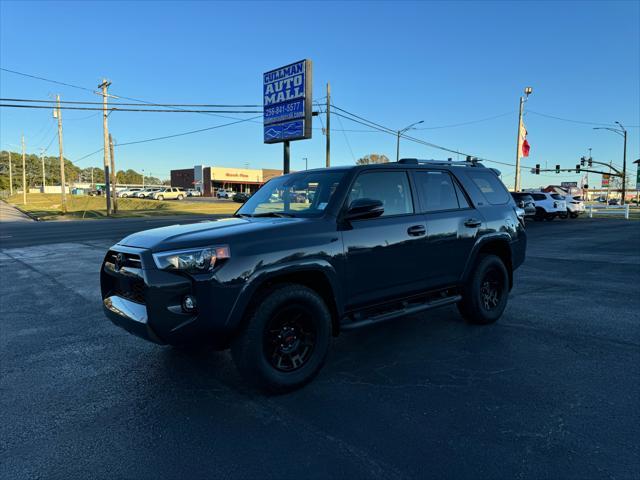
(124, 271)
(126, 308)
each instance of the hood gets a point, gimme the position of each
(200, 234)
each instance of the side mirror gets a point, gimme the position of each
(362, 208)
(521, 203)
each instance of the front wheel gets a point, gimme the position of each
(180, 197)
(160, 197)
(484, 297)
(285, 340)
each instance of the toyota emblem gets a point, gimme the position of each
(120, 261)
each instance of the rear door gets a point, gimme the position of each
(385, 256)
(452, 225)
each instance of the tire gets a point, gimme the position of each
(180, 197)
(482, 304)
(160, 197)
(573, 215)
(295, 362)
(549, 216)
(124, 195)
(540, 214)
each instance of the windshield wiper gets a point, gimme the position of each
(274, 214)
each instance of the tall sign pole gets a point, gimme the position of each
(24, 174)
(105, 131)
(113, 176)
(328, 155)
(62, 181)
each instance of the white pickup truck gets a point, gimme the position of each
(169, 193)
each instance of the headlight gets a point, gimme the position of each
(197, 260)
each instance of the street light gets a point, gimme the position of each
(400, 132)
(306, 163)
(623, 133)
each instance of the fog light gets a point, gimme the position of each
(189, 303)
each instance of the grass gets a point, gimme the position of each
(48, 206)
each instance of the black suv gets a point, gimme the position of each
(316, 252)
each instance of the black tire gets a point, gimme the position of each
(549, 216)
(299, 318)
(540, 214)
(573, 215)
(485, 295)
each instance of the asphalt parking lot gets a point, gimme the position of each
(550, 391)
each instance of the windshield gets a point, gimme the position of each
(304, 194)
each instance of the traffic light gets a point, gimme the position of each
(537, 169)
(557, 168)
(582, 161)
(578, 168)
(590, 162)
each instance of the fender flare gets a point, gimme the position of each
(260, 277)
(502, 237)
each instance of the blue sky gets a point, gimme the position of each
(395, 63)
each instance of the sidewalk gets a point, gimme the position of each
(12, 214)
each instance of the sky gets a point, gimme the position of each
(395, 63)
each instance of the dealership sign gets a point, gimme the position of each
(605, 180)
(287, 94)
(568, 184)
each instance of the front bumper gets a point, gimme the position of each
(147, 302)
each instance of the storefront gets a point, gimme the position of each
(210, 179)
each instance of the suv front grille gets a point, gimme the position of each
(125, 276)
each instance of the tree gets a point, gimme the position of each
(372, 158)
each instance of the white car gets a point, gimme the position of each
(146, 193)
(225, 193)
(129, 192)
(548, 205)
(194, 192)
(168, 193)
(575, 205)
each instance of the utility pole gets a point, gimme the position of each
(10, 176)
(43, 174)
(306, 163)
(92, 178)
(527, 92)
(62, 181)
(328, 153)
(105, 130)
(24, 174)
(113, 175)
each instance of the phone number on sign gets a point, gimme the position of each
(284, 112)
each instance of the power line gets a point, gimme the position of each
(345, 136)
(467, 123)
(47, 80)
(582, 122)
(116, 109)
(209, 105)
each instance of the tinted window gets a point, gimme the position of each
(539, 196)
(437, 191)
(391, 188)
(557, 196)
(490, 186)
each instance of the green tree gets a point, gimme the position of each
(372, 158)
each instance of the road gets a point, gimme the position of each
(550, 391)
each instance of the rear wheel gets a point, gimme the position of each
(540, 214)
(549, 216)
(286, 339)
(485, 295)
(160, 197)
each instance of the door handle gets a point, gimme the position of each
(417, 230)
(472, 223)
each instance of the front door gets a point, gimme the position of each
(384, 255)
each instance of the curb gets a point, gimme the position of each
(28, 214)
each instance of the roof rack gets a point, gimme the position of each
(469, 162)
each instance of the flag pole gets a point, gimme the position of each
(527, 92)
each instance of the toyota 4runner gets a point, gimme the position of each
(363, 245)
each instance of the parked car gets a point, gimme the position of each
(548, 205)
(241, 197)
(526, 202)
(95, 193)
(224, 193)
(146, 193)
(613, 201)
(193, 192)
(168, 193)
(277, 281)
(129, 192)
(575, 205)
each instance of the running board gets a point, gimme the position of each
(400, 313)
